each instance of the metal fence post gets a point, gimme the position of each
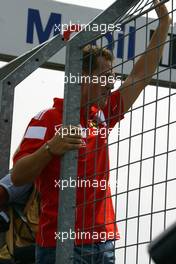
(67, 201)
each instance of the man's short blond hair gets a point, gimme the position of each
(90, 55)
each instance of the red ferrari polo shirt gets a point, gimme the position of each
(95, 219)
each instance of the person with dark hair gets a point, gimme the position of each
(39, 157)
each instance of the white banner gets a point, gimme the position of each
(25, 24)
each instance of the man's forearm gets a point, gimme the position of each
(29, 167)
(146, 65)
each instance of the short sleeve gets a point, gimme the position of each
(16, 194)
(114, 110)
(37, 133)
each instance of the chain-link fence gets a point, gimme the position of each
(141, 146)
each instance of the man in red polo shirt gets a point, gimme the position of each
(45, 141)
(38, 137)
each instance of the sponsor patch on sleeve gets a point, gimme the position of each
(35, 132)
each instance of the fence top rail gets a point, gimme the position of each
(108, 16)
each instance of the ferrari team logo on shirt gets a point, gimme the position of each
(92, 123)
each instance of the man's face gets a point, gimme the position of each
(97, 93)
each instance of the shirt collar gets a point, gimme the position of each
(93, 110)
(58, 104)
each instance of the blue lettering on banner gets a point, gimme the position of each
(109, 38)
(131, 43)
(171, 63)
(34, 20)
(121, 42)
